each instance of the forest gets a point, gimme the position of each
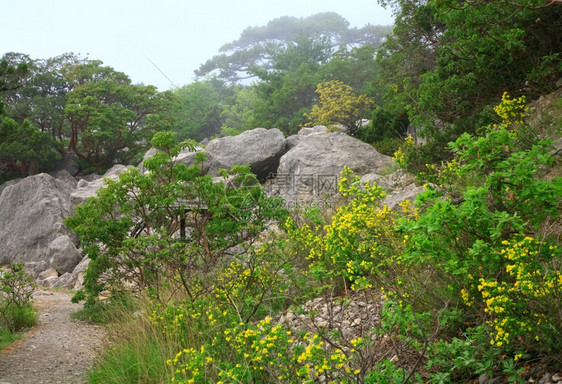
(466, 281)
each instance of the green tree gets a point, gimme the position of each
(448, 61)
(168, 226)
(239, 113)
(110, 120)
(23, 149)
(11, 76)
(42, 95)
(258, 47)
(89, 109)
(356, 67)
(197, 109)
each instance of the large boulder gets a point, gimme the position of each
(311, 169)
(325, 153)
(259, 148)
(31, 216)
(409, 192)
(63, 255)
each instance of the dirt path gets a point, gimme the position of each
(57, 350)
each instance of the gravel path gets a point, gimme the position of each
(57, 350)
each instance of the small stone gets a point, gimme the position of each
(557, 377)
(321, 323)
(545, 379)
(484, 379)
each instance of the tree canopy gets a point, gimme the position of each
(260, 47)
(85, 107)
(448, 61)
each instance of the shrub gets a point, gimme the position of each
(168, 229)
(16, 288)
(384, 125)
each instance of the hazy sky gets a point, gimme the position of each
(178, 36)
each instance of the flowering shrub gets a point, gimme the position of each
(264, 352)
(512, 111)
(400, 156)
(358, 239)
(484, 255)
(520, 302)
(470, 274)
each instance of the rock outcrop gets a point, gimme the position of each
(260, 148)
(304, 166)
(32, 213)
(85, 188)
(209, 166)
(311, 169)
(63, 255)
(32, 230)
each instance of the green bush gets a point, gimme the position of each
(169, 229)
(16, 287)
(388, 145)
(384, 125)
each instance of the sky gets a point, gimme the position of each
(146, 38)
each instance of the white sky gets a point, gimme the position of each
(178, 36)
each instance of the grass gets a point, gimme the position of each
(137, 352)
(7, 337)
(141, 359)
(13, 321)
(107, 311)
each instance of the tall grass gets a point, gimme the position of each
(137, 352)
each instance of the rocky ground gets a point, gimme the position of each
(58, 349)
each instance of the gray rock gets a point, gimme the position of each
(32, 213)
(68, 163)
(35, 268)
(409, 192)
(327, 153)
(8, 183)
(260, 148)
(188, 158)
(66, 281)
(315, 129)
(49, 282)
(69, 280)
(203, 142)
(85, 189)
(291, 142)
(89, 177)
(78, 273)
(395, 181)
(311, 169)
(64, 175)
(51, 272)
(63, 255)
